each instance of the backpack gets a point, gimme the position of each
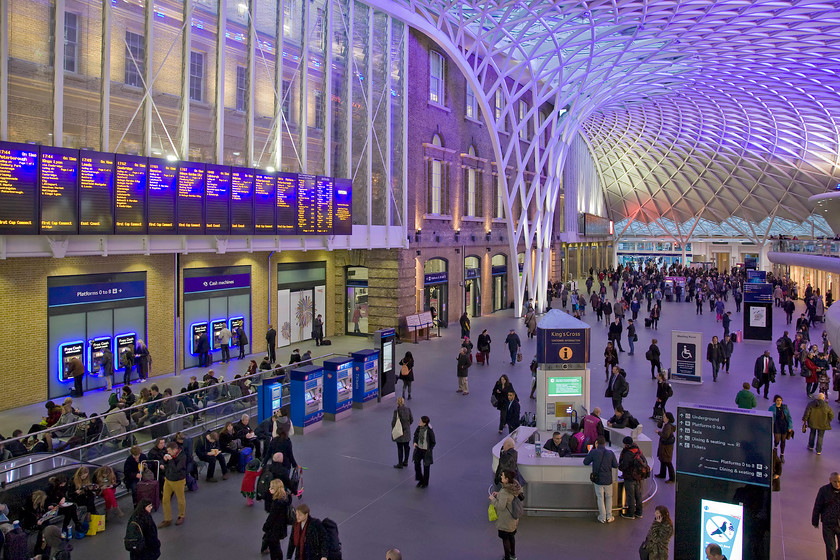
(639, 468)
(264, 482)
(516, 508)
(134, 540)
(333, 542)
(669, 391)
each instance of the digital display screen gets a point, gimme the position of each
(18, 189)
(163, 187)
(131, 194)
(286, 203)
(217, 200)
(265, 187)
(242, 201)
(307, 204)
(67, 352)
(324, 188)
(124, 342)
(96, 192)
(197, 329)
(343, 207)
(388, 356)
(191, 198)
(58, 190)
(565, 386)
(217, 327)
(722, 524)
(96, 353)
(233, 324)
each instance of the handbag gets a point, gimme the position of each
(756, 383)
(644, 553)
(519, 356)
(494, 401)
(397, 430)
(491, 513)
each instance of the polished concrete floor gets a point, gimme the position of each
(350, 477)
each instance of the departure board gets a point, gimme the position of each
(18, 189)
(324, 198)
(343, 207)
(96, 192)
(163, 188)
(130, 180)
(217, 199)
(241, 201)
(286, 203)
(265, 186)
(190, 208)
(306, 204)
(59, 190)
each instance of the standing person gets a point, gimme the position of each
(653, 355)
(407, 373)
(202, 348)
(782, 425)
(631, 336)
(606, 307)
(76, 370)
(654, 316)
(714, 355)
(108, 368)
(728, 348)
(745, 398)
(131, 470)
(817, 416)
(274, 528)
(665, 451)
(664, 391)
(513, 410)
(309, 540)
(617, 387)
(143, 359)
(827, 509)
(271, 341)
(503, 502)
(127, 362)
(765, 372)
(402, 414)
(610, 359)
(241, 341)
(224, 339)
(464, 321)
(659, 535)
(614, 334)
(499, 395)
(424, 445)
(531, 323)
(357, 316)
(513, 344)
(726, 320)
(629, 463)
(483, 344)
(141, 529)
(175, 474)
(603, 462)
(318, 330)
(463, 370)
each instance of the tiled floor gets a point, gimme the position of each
(350, 477)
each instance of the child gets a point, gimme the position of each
(107, 481)
(249, 481)
(824, 381)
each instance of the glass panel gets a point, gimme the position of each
(396, 97)
(361, 51)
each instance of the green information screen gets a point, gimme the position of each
(565, 386)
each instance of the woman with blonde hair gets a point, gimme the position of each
(83, 490)
(106, 479)
(402, 435)
(275, 526)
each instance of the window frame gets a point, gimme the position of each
(320, 117)
(133, 75)
(241, 88)
(286, 102)
(73, 46)
(523, 130)
(437, 84)
(471, 104)
(498, 100)
(197, 79)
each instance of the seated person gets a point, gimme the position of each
(265, 365)
(193, 384)
(207, 450)
(142, 415)
(295, 357)
(243, 431)
(229, 443)
(622, 419)
(187, 400)
(15, 446)
(116, 422)
(53, 414)
(167, 408)
(83, 490)
(39, 445)
(57, 498)
(559, 443)
(68, 416)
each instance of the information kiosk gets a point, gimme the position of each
(562, 376)
(338, 388)
(365, 377)
(306, 392)
(385, 340)
(271, 395)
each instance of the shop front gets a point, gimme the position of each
(436, 289)
(301, 289)
(472, 286)
(499, 275)
(356, 302)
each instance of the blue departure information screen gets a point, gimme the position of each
(217, 200)
(287, 203)
(131, 179)
(18, 189)
(324, 197)
(343, 207)
(241, 201)
(191, 198)
(265, 187)
(307, 204)
(96, 192)
(163, 187)
(59, 190)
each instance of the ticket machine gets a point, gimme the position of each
(271, 395)
(306, 392)
(338, 388)
(365, 377)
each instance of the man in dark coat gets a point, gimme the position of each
(271, 340)
(615, 333)
(784, 345)
(513, 344)
(76, 370)
(241, 340)
(827, 509)
(617, 387)
(464, 321)
(765, 372)
(203, 350)
(513, 410)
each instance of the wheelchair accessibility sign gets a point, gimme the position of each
(686, 358)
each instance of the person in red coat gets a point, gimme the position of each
(253, 470)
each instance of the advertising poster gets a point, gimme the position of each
(722, 524)
(758, 317)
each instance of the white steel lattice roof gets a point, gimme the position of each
(693, 109)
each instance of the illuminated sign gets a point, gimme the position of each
(565, 386)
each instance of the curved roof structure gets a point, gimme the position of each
(692, 108)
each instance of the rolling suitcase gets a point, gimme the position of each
(479, 357)
(149, 489)
(647, 323)
(245, 456)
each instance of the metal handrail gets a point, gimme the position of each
(123, 435)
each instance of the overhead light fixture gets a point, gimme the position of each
(270, 169)
(170, 157)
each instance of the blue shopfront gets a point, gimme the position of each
(436, 289)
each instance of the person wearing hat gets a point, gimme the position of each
(629, 465)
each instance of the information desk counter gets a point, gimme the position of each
(559, 486)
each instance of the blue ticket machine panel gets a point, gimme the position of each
(196, 330)
(338, 387)
(365, 376)
(124, 342)
(233, 324)
(216, 328)
(67, 352)
(307, 397)
(96, 354)
(271, 395)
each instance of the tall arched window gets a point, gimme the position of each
(437, 179)
(470, 186)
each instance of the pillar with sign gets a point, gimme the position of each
(562, 373)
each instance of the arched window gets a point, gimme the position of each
(437, 179)
(473, 194)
